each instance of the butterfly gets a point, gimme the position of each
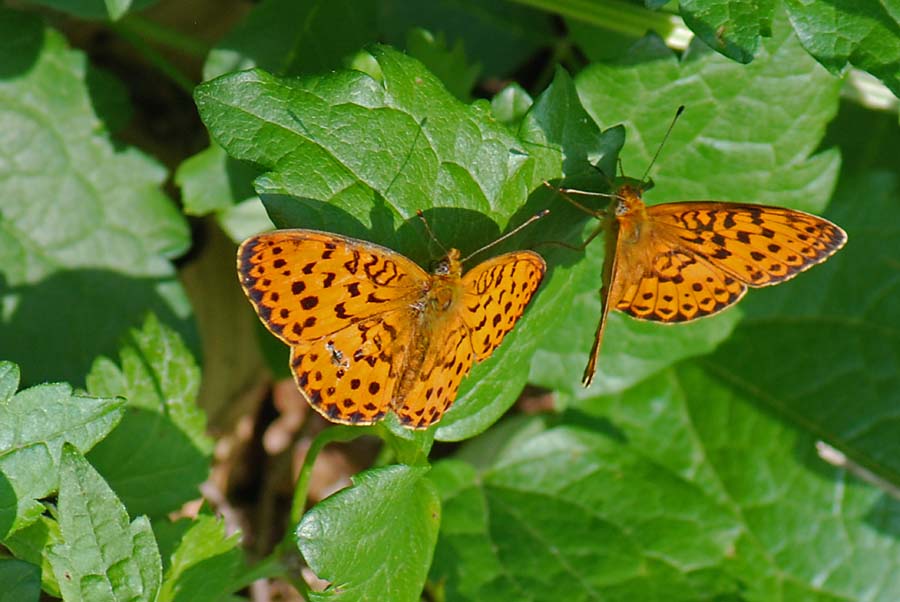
(370, 331)
(677, 262)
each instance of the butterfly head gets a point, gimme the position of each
(628, 196)
(450, 265)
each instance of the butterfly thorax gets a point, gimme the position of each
(437, 304)
(631, 213)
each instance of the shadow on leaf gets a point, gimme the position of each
(60, 324)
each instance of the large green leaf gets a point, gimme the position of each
(373, 541)
(34, 425)
(748, 134)
(358, 156)
(86, 233)
(678, 489)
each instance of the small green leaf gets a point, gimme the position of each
(731, 27)
(863, 33)
(374, 540)
(21, 581)
(86, 232)
(204, 565)
(32, 544)
(162, 438)
(511, 104)
(448, 64)
(102, 556)
(34, 425)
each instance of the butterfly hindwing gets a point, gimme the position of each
(680, 286)
(351, 376)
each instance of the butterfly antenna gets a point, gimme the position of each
(531, 219)
(678, 113)
(430, 233)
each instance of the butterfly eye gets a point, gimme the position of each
(442, 268)
(621, 208)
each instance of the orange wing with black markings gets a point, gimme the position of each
(370, 331)
(677, 262)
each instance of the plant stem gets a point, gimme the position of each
(154, 57)
(619, 16)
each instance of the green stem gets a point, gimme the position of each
(619, 16)
(155, 58)
(329, 435)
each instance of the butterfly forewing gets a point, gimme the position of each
(496, 294)
(344, 307)
(306, 284)
(756, 244)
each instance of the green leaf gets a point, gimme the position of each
(34, 425)
(294, 38)
(210, 181)
(511, 104)
(374, 540)
(86, 233)
(431, 149)
(21, 581)
(204, 565)
(102, 556)
(864, 33)
(678, 489)
(449, 65)
(823, 351)
(731, 27)
(213, 182)
(748, 134)
(159, 454)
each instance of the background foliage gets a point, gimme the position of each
(751, 456)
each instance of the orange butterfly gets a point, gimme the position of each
(677, 262)
(370, 331)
